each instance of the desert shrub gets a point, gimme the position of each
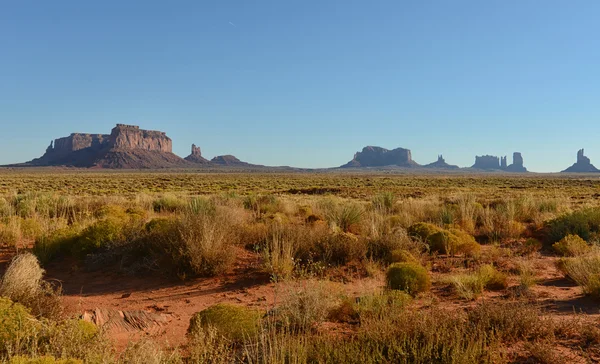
(527, 276)
(18, 328)
(9, 234)
(202, 206)
(55, 243)
(146, 351)
(585, 271)
(492, 278)
(384, 202)
(381, 247)
(74, 338)
(422, 231)
(345, 311)
(233, 322)
(584, 223)
(261, 205)
(402, 256)
(305, 305)
(410, 277)
(104, 234)
(207, 346)
(530, 246)
(471, 285)
(279, 253)
(511, 321)
(168, 203)
(467, 244)
(382, 305)
(467, 212)
(341, 248)
(42, 360)
(22, 282)
(345, 215)
(443, 242)
(571, 245)
(208, 243)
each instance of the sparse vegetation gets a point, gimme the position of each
(303, 258)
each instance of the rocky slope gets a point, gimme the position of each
(440, 164)
(196, 156)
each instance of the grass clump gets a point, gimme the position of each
(471, 285)
(168, 203)
(585, 271)
(571, 246)
(236, 323)
(22, 282)
(304, 306)
(410, 277)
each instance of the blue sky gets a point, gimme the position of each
(307, 83)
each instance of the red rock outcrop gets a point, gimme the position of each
(196, 156)
(127, 146)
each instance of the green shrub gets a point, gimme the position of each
(410, 277)
(341, 248)
(233, 322)
(443, 242)
(571, 246)
(584, 223)
(168, 203)
(467, 244)
(422, 231)
(18, 328)
(56, 243)
(402, 256)
(492, 278)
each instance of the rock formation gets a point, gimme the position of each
(440, 164)
(490, 162)
(229, 160)
(517, 164)
(196, 156)
(127, 146)
(486, 162)
(583, 165)
(381, 157)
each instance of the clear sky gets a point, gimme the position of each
(307, 83)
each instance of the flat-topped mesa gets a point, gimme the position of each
(75, 142)
(486, 162)
(372, 156)
(132, 137)
(583, 165)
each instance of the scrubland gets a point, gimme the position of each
(298, 268)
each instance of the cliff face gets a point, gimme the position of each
(583, 165)
(380, 157)
(127, 146)
(132, 137)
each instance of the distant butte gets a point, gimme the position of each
(583, 165)
(127, 146)
(440, 164)
(372, 156)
